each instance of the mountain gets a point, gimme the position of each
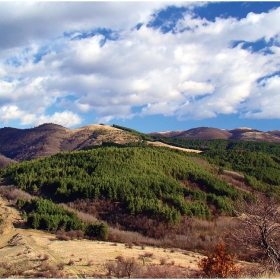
(48, 139)
(242, 133)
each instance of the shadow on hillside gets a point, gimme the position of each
(6, 181)
(20, 224)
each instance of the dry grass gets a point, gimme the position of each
(88, 218)
(13, 193)
(39, 254)
(29, 249)
(89, 257)
(4, 161)
(235, 179)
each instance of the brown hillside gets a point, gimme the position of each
(245, 134)
(160, 144)
(4, 161)
(49, 139)
(205, 133)
(274, 133)
(197, 133)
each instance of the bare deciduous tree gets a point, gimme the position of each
(124, 267)
(260, 230)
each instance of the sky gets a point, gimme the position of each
(150, 66)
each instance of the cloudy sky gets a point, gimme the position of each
(151, 66)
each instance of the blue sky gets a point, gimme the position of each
(151, 66)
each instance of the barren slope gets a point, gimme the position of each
(49, 139)
(243, 133)
(4, 161)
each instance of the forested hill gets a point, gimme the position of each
(158, 182)
(136, 181)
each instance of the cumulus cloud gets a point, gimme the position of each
(264, 102)
(192, 73)
(24, 22)
(65, 118)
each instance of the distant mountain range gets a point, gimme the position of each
(242, 133)
(48, 139)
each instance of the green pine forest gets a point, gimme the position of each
(160, 183)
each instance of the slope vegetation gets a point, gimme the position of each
(153, 181)
(4, 161)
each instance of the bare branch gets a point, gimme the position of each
(260, 229)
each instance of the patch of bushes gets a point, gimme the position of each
(219, 264)
(46, 215)
(129, 268)
(97, 230)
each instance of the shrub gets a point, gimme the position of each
(163, 271)
(259, 231)
(98, 231)
(13, 193)
(63, 237)
(60, 266)
(71, 262)
(123, 267)
(145, 256)
(129, 245)
(219, 264)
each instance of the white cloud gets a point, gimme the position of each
(25, 22)
(65, 118)
(190, 74)
(264, 102)
(8, 113)
(164, 108)
(196, 88)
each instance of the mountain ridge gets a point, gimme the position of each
(241, 133)
(48, 139)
